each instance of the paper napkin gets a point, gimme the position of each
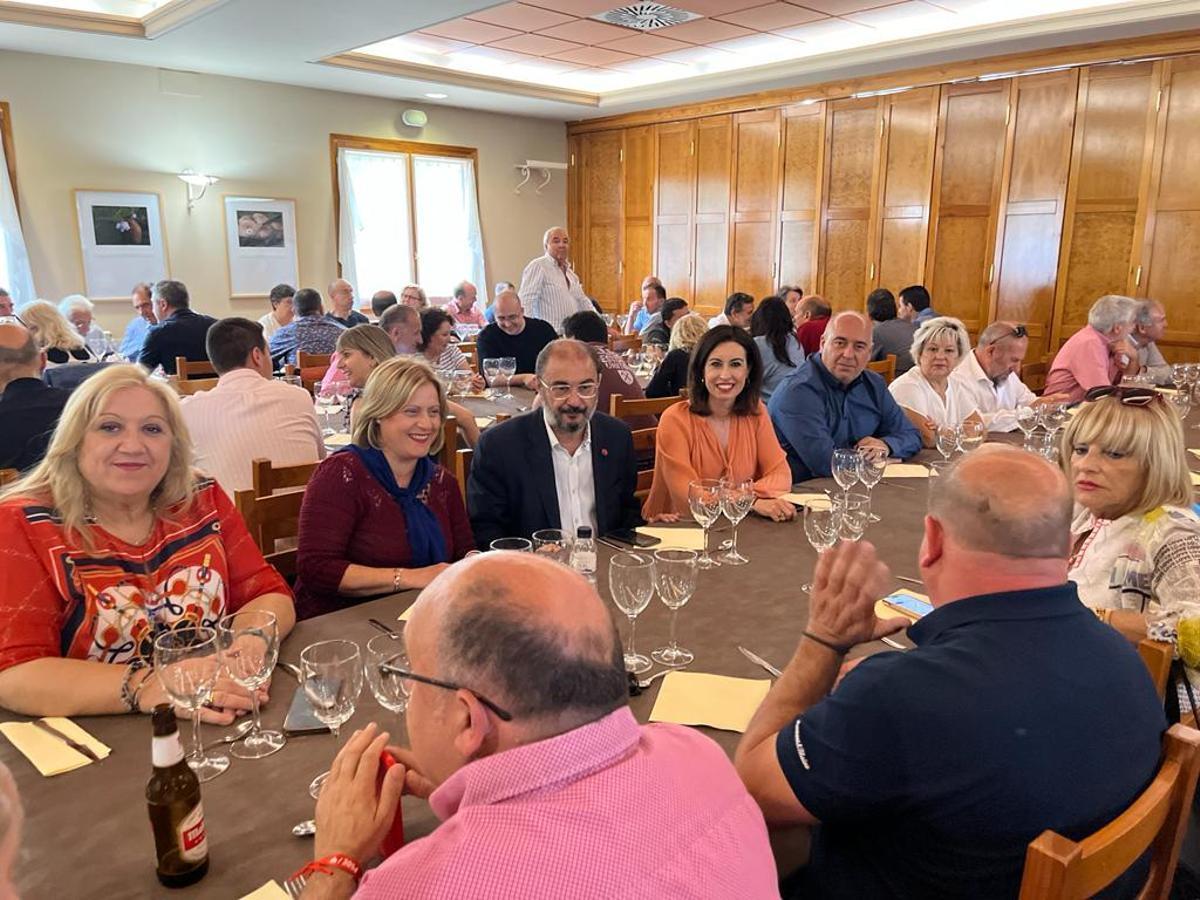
(483, 421)
(718, 701)
(806, 499)
(403, 617)
(337, 440)
(49, 755)
(675, 538)
(269, 891)
(905, 470)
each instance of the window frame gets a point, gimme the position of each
(10, 158)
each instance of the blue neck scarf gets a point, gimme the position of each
(425, 538)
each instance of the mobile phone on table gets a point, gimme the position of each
(632, 538)
(908, 604)
(300, 718)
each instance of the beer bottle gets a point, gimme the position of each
(176, 815)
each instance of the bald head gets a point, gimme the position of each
(19, 354)
(1004, 501)
(510, 316)
(846, 345)
(341, 297)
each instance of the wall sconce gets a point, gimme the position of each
(197, 183)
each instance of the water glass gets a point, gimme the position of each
(845, 467)
(491, 372)
(704, 500)
(1054, 417)
(737, 498)
(1027, 421)
(947, 440)
(553, 543)
(249, 650)
(675, 573)
(187, 660)
(325, 399)
(871, 467)
(332, 675)
(516, 544)
(855, 510)
(631, 584)
(1181, 403)
(822, 523)
(508, 368)
(385, 652)
(972, 432)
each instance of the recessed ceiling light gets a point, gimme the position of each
(434, 95)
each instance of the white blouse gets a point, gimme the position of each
(913, 390)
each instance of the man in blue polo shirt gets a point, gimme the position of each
(930, 771)
(832, 401)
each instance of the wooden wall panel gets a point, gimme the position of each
(637, 238)
(710, 255)
(800, 201)
(601, 183)
(756, 174)
(575, 202)
(851, 151)
(674, 193)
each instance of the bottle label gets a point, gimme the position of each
(166, 751)
(193, 839)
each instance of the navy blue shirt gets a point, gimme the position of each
(814, 414)
(355, 318)
(182, 333)
(932, 770)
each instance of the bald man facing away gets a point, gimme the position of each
(523, 741)
(29, 408)
(928, 772)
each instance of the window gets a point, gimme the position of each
(407, 213)
(15, 274)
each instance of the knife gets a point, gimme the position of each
(73, 744)
(759, 661)
(386, 629)
(292, 670)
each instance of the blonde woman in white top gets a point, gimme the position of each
(59, 339)
(926, 393)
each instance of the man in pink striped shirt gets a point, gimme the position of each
(462, 308)
(523, 741)
(1099, 353)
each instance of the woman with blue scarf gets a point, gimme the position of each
(381, 515)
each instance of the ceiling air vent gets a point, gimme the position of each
(646, 16)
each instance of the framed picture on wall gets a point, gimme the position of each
(260, 239)
(122, 241)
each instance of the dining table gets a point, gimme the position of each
(87, 834)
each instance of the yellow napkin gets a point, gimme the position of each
(269, 891)
(483, 421)
(691, 698)
(49, 755)
(806, 499)
(905, 470)
(1195, 480)
(675, 538)
(403, 617)
(337, 440)
(1166, 390)
(883, 611)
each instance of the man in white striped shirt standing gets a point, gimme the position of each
(550, 289)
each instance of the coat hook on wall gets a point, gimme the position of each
(526, 168)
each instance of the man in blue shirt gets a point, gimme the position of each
(929, 772)
(831, 401)
(916, 305)
(180, 331)
(311, 331)
(139, 325)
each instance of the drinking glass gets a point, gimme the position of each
(845, 467)
(622, 321)
(188, 662)
(1179, 375)
(491, 371)
(341, 406)
(675, 573)
(608, 319)
(249, 650)
(462, 382)
(870, 472)
(517, 544)
(1027, 421)
(822, 522)
(737, 497)
(1047, 446)
(972, 432)
(332, 675)
(947, 440)
(631, 583)
(1054, 417)
(855, 510)
(1181, 403)
(508, 368)
(392, 691)
(704, 500)
(325, 399)
(554, 544)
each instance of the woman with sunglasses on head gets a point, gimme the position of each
(1136, 550)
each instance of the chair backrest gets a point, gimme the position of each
(471, 352)
(885, 367)
(8, 476)
(449, 443)
(462, 469)
(1157, 656)
(313, 360)
(194, 386)
(620, 407)
(270, 519)
(645, 478)
(269, 478)
(1034, 374)
(185, 369)
(1061, 869)
(622, 342)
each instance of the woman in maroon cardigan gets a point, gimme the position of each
(381, 516)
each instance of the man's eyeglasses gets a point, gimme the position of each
(560, 391)
(448, 685)
(1128, 396)
(1019, 331)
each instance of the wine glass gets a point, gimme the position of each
(704, 500)
(332, 675)
(871, 467)
(249, 650)
(188, 662)
(631, 583)
(622, 321)
(385, 651)
(675, 573)
(608, 318)
(1181, 403)
(855, 513)
(947, 440)
(508, 368)
(516, 544)
(552, 543)
(1179, 375)
(341, 405)
(1054, 417)
(822, 522)
(324, 399)
(845, 467)
(737, 497)
(491, 371)
(1027, 421)
(972, 433)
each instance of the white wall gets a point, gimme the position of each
(94, 125)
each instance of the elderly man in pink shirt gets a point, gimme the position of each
(1098, 354)
(462, 308)
(523, 741)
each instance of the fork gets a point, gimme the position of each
(294, 887)
(646, 682)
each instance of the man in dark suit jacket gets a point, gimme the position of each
(179, 332)
(29, 408)
(561, 466)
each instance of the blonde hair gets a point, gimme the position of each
(390, 386)
(50, 327)
(420, 291)
(687, 332)
(57, 479)
(935, 328)
(370, 340)
(1151, 434)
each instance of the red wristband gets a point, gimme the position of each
(326, 864)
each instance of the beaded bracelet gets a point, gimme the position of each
(326, 865)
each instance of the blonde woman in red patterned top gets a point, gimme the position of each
(112, 539)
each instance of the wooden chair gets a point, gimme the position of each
(885, 367)
(621, 343)
(462, 469)
(471, 352)
(269, 478)
(184, 369)
(271, 519)
(1157, 657)
(185, 388)
(1034, 375)
(313, 360)
(449, 443)
(1060, 869)
(8, 476)
(620, 407)
(645, 440)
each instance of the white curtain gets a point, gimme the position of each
(449, 239)
(15, 273)
(375, 234)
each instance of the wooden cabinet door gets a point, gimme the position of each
(800, 195)
(967, 178)
(711, 218)
(756, 140)
(575, 226)
(602, 212)
(1032, 202)
(851, 150)
(905, 183)
(674, 199)
(1171, 253)
(637, 238)
(1110, 173)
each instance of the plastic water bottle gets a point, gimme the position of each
(583, 553)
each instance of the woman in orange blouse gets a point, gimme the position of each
(723, 431)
